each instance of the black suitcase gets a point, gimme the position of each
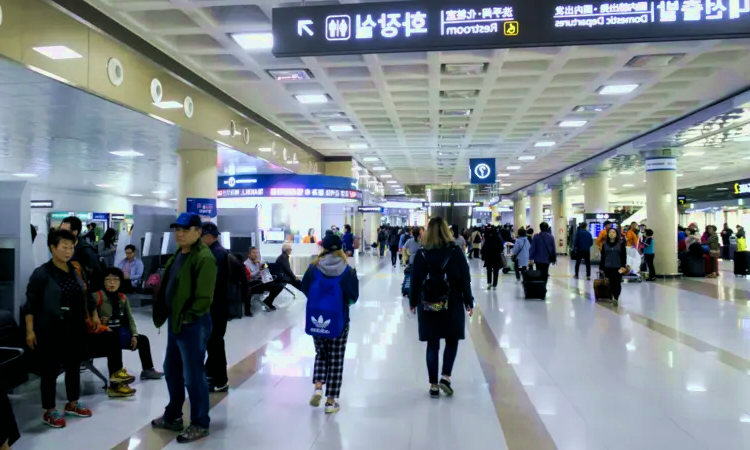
(741, 263)
(693, 267)
(534, 285)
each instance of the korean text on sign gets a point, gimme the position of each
(494, 13)
(390, 24)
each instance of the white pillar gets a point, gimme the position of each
(197, 175)
(536, 210)
(560, 220)
(661, 208)
(596, 193)
(519, 213)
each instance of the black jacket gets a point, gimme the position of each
(492, 252)
(622, 253)
(86, 255)
(287, 274)
(449, 324)
(222, 268)
(393, 240)
(43, 295)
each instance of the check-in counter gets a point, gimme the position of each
(302, 255)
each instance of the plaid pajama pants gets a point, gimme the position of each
(329, 362)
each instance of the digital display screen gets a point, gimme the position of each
(275, 236)
(453, 25)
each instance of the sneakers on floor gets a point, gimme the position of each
(151, 374)
(163, 424)
(120, 390)
(332, 408)
(121, 376)
(78, 410)
(434, 392)
(53, 419)
(269, 306)
(316, 398)
(192, 434)
(213, 389)
(445, 386)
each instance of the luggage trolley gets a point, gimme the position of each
(508, 253)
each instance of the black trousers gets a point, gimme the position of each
(381, 246)
(144, 352)
(433, 356)
(544, 268)
(492, 271)
(473, 253)
(273, 289)
(65, 351)
(650, 264)
(520, 271)
(586, 256)
(216, 362)
(9, 429)
(394, 254)
(106, 344)
(615, 281)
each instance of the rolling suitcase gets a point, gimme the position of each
(602, 293)
(741, 263)
(406, 285)
(693, 267)
(534, 285)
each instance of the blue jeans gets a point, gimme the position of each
(184, 367)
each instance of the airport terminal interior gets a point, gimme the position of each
(584, 165)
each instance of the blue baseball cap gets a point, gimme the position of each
(187, 220)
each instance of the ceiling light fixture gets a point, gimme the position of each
(722, 189)
(503, 175)
(126, 153)
(592, 108)
(680, 174)
(617, 89)
(379, 169)
(626, 173)
(370, 159)
(135, 195)
(161, 119)
(104, 185)
(290, 74)
(265, 149)
(58, 52)
(391, 182)
(227, 132)
(340, 128)
(168, 105)
(158, 192)
(506, 184)
(710, 168)
(386, 175)
(25, 175)
(513, 167)
(527, 158)
(628, 185)
(572, 123)
(358, 146)
(253, 41)
(695, 153)
(545, 144)
(310, 99)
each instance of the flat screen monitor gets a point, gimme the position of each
(275, 236)
(240, 245)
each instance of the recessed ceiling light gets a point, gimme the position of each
(503, 175)
(25, 175)
(340, 128)
(254, 41)
(464, 69)
(158, 192)
(662, 60)
(386, 175)
(545, 144)
(265, 149)
(628, 185)
(309, 99)
(592, 108)
(455, 112)
(168, 105)
(617, 89)
(172, 199)
(370, 159)
(378, 168)
(572, 123)
(358, 146)
(135, 195)
(58, 52)
(126, 153)
(513, 167)
(290, 74)
(527, 158)
(104, 185)
(710, 168)
(461, 93)
(392, 182)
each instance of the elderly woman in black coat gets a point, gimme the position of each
(492, 255)
(440, 292)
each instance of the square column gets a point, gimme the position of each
(198, 175)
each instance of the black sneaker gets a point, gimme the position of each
(445, 386)
(192, 434)
(269, 306)
(434, 392)
(163, 424)
(212, 388)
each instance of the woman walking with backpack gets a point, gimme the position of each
(330, 286)
(440, 292)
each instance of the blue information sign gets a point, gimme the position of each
(482, 170)
(204, 207)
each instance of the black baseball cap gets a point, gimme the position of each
(332, 242)
(210, 228)
(187, 220)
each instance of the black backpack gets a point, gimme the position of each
(436, 288)
(478, 238)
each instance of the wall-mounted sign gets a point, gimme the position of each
(450, 204)
(602, 217)
(100, 217)
(370, 209)
(291, 192)
(681, 199)
(742, 188)
(288, 185)
(204, 207)
(42, 204)
(436, 25)
(666, 163)
(482, 170)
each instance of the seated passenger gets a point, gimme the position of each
(255, 266)
(287, 274)
(107, 248)
(56, 309)
(115, 312)
(132, 270)
(310, 238)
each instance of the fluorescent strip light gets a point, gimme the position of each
(695, 153)
(628, 185)
(710, 168)
(392, 182)
(58, 52)
(25, 175)
(308, 99)
(358, 146)
(126, 153)
(135, 195)
(51, 75)
(617, 89)
(545, 144)
(370, 159)
(385, 175)
(503, 175)
(513, 167)
(572, 123)
(168, 105)
(340, 128)
(527, 158)
(265, 149)
(254, 41)
(378, 168)
(161, 119)
(682, 174)
(104, 185)
(626, 173)
(226, 133)
(506, 184)
(158, 192)
(722, 189)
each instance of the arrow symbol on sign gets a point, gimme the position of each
(304, 25)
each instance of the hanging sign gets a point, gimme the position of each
(42, 204)
(435, 25)
(204, 207)
(661, 164)
(482, 170)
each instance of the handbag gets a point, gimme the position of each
(265, 275)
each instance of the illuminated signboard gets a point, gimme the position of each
(453, 24)
(482, 170)
(450, 204)
(370, 209)
(742, 188)
(682, 199)
(287, 185)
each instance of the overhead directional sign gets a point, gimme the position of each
(482, 170)
(455, 24)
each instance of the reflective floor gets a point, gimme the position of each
(668, 369)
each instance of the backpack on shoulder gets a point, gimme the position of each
(436, 289)
(325, 306)
(477, 238)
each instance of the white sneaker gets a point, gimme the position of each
(334, 408)
(316, 398)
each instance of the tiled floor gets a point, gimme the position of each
(664, 371)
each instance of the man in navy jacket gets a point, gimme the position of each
(582, 244)
(543, 251)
